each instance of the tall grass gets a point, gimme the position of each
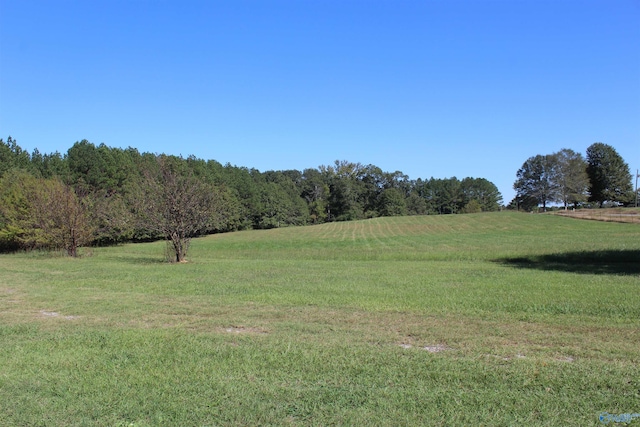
(488, 319)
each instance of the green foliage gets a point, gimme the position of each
(566, 177)
(572, 178)
(315, 191)
(280, 201)
(345, 197)
(450, 195)
(416, 205)
(472, 207)
(12, 156)
(177, 205)
(537, 180)
(113, 218)
(247, 193)
(111, 182)
(18, 224)
(392, 203)
(483, 192)
(42, 213)
(63, 217)
(50, 165)
(609, 176)
(100, 169)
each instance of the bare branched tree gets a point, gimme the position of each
(177, 205)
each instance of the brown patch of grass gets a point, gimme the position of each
(244, 330)
(470, 335)
(52, 314)
(625, 215)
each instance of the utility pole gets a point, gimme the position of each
(637, 175)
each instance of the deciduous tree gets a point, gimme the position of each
(571, 177)
(177, 205)
(63, 217)
(537, 180)
(42, 213)
(609, 176)
(392, 202)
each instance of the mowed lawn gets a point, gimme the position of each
(488, 319)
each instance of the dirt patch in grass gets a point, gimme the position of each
(454, 334)
(567, 359)
(53, 314)
(11, 295)
(244, 330)
(435, 348)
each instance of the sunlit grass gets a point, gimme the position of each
(494, 319)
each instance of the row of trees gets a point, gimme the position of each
(104, 195)
(567, 177)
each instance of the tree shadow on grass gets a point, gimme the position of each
(623, 262)
(142, 260)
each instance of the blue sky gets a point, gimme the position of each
(432, 88)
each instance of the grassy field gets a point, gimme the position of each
(488, 319)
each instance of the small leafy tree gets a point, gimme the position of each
(177, 205)
(63, 217)
(42, 213)
(472, 207)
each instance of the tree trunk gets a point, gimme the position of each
(177, 249)
(72, 246)
(179, 245)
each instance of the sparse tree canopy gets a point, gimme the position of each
(177, 205)
(609, 176)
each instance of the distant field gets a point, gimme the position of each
(487, 319)
(630, 215)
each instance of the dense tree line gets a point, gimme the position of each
(102, 195)
(567, 177)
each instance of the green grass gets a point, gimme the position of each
(530, 319)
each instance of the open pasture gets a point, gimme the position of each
(484, 319)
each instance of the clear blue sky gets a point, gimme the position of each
(431, 88)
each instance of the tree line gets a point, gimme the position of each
(568, 178)
(101, 195)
